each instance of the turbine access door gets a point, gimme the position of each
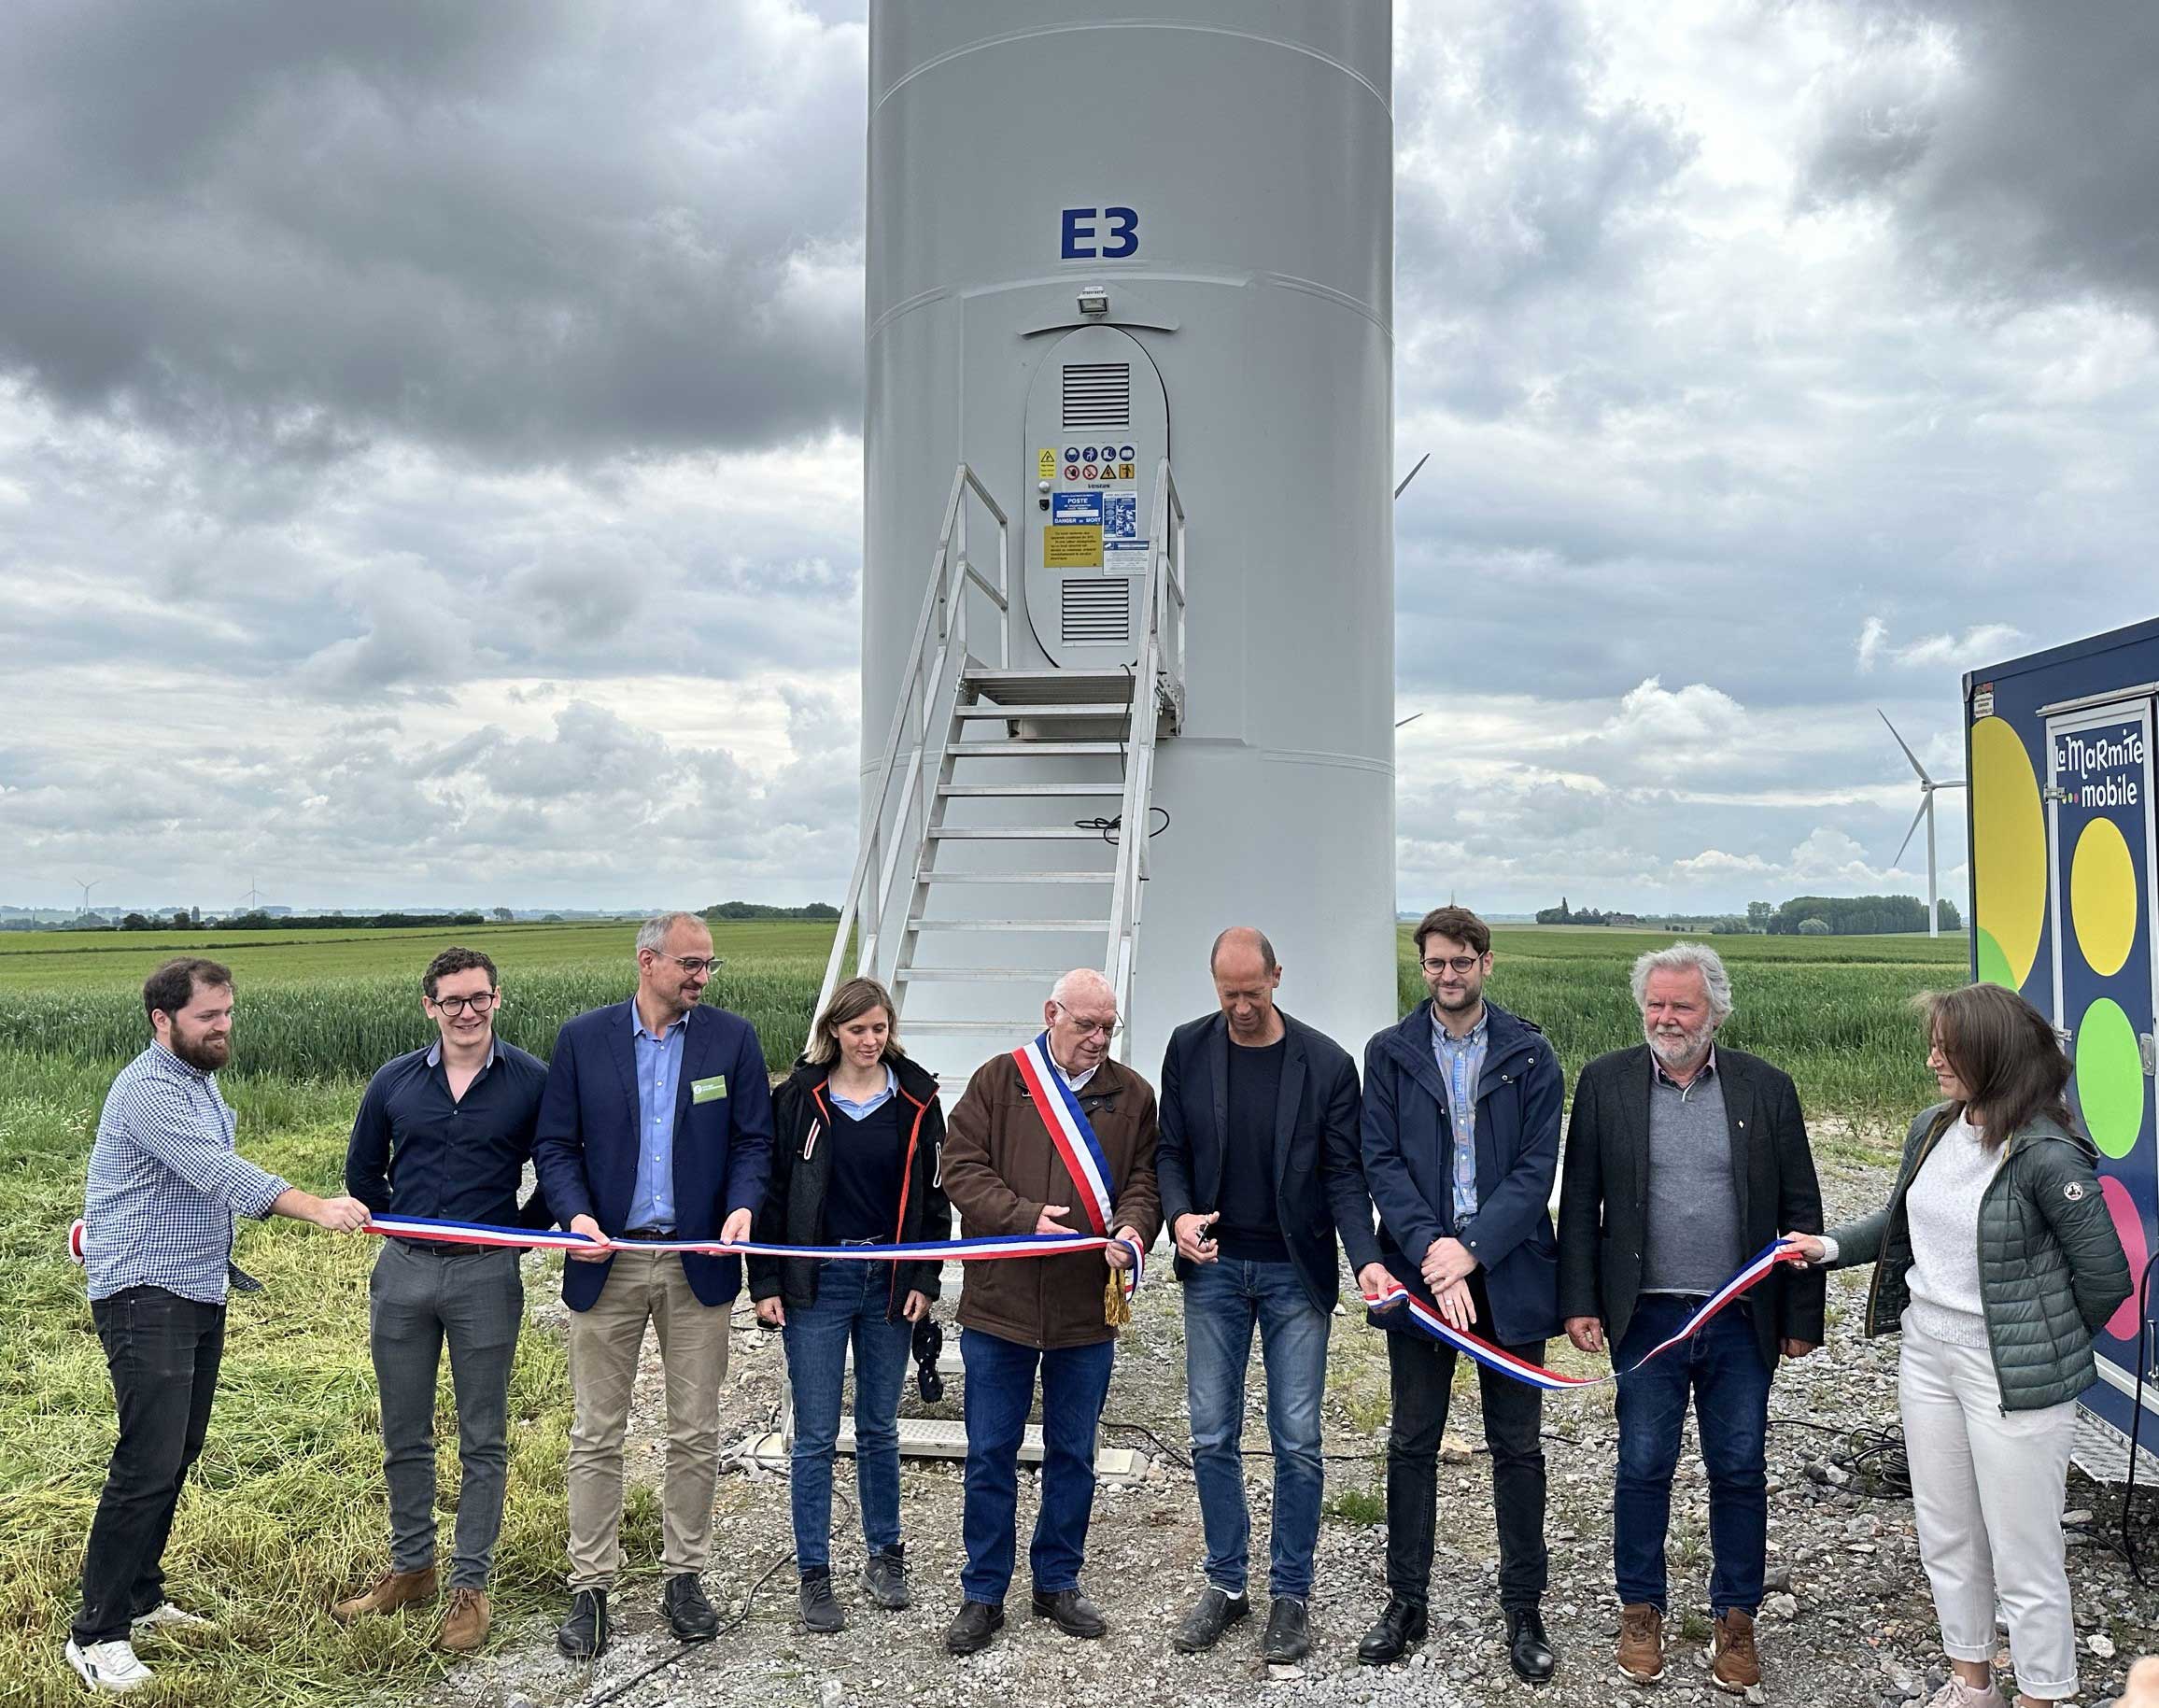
(1097, 425)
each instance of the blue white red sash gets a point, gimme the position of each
(1078, 1149)
(1395, 1295)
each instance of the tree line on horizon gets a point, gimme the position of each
(1801, 916)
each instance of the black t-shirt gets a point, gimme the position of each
(1250, 1227)
(862, 1195)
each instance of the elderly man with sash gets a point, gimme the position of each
(1053, 1138)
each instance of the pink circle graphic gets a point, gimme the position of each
(2122, 1325)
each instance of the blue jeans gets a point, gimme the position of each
(1001, 1392)
(850, 1306)
(1723, 1367)
(1222, 1301)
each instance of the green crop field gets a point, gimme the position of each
(286, 1509)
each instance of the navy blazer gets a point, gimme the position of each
(584, 1148)
(1318, 1166)
(1409, 1165)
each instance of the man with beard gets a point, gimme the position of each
(1683, 1161)
(655, 1124)
(165, 1184)
(1461, 1142)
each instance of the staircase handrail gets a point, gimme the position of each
(943, 618)
(1157, 687)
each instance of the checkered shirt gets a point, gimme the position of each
(165, 1184)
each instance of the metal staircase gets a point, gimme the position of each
(996, 852)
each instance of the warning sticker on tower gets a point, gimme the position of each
(1047, 463)
(1120, 515)
(1076, 508)
(1073, 546)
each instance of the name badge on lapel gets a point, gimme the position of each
(707, 1091)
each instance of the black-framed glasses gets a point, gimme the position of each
(706, 964)
(1460, 964)
(454, 1006)
(1087, 1028)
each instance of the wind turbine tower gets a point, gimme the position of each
(1927, 786)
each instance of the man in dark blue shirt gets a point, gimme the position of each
(444, 1133)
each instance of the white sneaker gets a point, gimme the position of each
(165, 1613)
(1957, 1694)
(110, 1667)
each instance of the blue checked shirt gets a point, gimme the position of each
(1460, 1062)
(660, 1072)
(165, 1184)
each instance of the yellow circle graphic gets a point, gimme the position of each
(2103, 897)
(2008, 851)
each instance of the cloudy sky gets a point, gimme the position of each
(430, 461)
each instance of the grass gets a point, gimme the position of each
(287, 1509)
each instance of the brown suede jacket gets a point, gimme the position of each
(1000, 1169)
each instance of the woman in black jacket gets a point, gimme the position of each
(857, 1131)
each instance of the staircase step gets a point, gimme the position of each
(985, 975)
(1009, 925)
(1011, 833)
(996, 790)
(1023, 749)
(1093, 709)
(1068, 877)
(1014, 1029)
(1019, 688)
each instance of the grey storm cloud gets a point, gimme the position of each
(2016, 143)
(530, 231)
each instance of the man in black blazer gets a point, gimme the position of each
(1259, 1170)
(655, 1124)
(1683, 1161)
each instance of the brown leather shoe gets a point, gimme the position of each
(1641, 1642)
(387, 1593)
(1734, 1664)
(465, 1625)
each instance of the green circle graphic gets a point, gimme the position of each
(1994, 967)
(2110, 1078)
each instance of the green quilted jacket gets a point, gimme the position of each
(2051, 1266)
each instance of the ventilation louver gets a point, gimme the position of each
(1097, 394)
(1096, 613)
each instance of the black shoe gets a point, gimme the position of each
(689, 1616)
(820, 1612)
(1288, 1637)
(1074, 1614)
(973, 1627)
(885, 1577)
(583, 1636)
(1215, 1612)
(1528, 1650)
(1386, 1642)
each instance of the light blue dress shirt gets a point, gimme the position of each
(876, 1100)
(660, 1072)
(1461, 1064)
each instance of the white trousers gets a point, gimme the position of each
(1987, 1494)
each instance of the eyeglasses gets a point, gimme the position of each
(454, 1006)
(1460, 964)
(706, 964)
(1087, 1028)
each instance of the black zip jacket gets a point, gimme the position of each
(794, 1207)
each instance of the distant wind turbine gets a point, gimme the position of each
(1926, 790)
(85, 885)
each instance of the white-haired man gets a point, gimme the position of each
(1682, 1162)
(1053, 1138)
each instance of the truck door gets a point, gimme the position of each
(1097, 425)
(2100, 846)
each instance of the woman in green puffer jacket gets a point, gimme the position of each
(1998, 1258)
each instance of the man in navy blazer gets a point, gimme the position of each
(656, 1123)
(1260, 1169)
(1461, 1146)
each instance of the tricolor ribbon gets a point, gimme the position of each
(1498, 1358)
(1073, 1137)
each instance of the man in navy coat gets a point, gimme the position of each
(1461, 1146)
(656, 1123)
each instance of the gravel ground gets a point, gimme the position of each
(1847, 1625)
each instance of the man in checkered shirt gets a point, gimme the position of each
(165, 1186)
